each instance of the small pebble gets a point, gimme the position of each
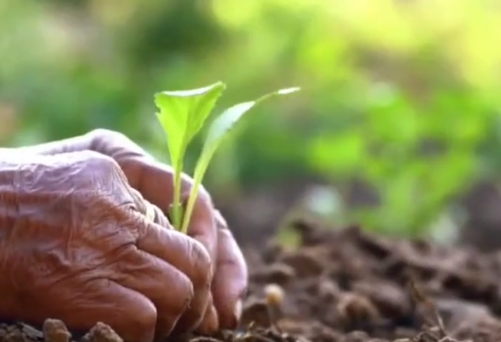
(274, 294)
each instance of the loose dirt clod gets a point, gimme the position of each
(101, 333)
(350, 286)
(55, 330)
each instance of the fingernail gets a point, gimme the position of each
(150, 211)
(214, 319)
(210, 322)
(238, 311)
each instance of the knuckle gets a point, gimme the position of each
(221, 221)
(100, 161)
(225, 234)
(186, 185)
(204, 196)
(103, 181)
(104, 169)
(104, 134)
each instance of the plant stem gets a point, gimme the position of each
(189, 207)
(198, 176)
(177, 196)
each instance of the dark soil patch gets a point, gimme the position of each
(349, 286)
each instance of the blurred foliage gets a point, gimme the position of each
(402, 96)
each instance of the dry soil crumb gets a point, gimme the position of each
(102, 333)
(55, 330)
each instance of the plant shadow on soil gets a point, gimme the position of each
(349, 286)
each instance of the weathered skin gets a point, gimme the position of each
(75, 243)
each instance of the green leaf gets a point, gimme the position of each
(218, 130)
(182, 114)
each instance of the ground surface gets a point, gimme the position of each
(349, 286)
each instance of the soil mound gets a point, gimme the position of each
(349, 286)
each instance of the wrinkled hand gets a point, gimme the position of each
(77, 246)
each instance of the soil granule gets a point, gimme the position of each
(348, 286)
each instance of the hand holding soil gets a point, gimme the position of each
(75, 243)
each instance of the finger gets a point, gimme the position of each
(152, 212)
(188, 256)
(230, 281)
(203, 227)
(210, 322)
(168, 289)
(155, 182)
(160, 218)
(82, 304)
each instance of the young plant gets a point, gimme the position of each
(182, 114)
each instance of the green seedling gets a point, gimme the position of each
(182, 115)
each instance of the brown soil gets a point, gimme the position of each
(349, 286)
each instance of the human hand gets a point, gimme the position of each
(220, 309)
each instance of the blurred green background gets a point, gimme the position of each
(398, 117)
